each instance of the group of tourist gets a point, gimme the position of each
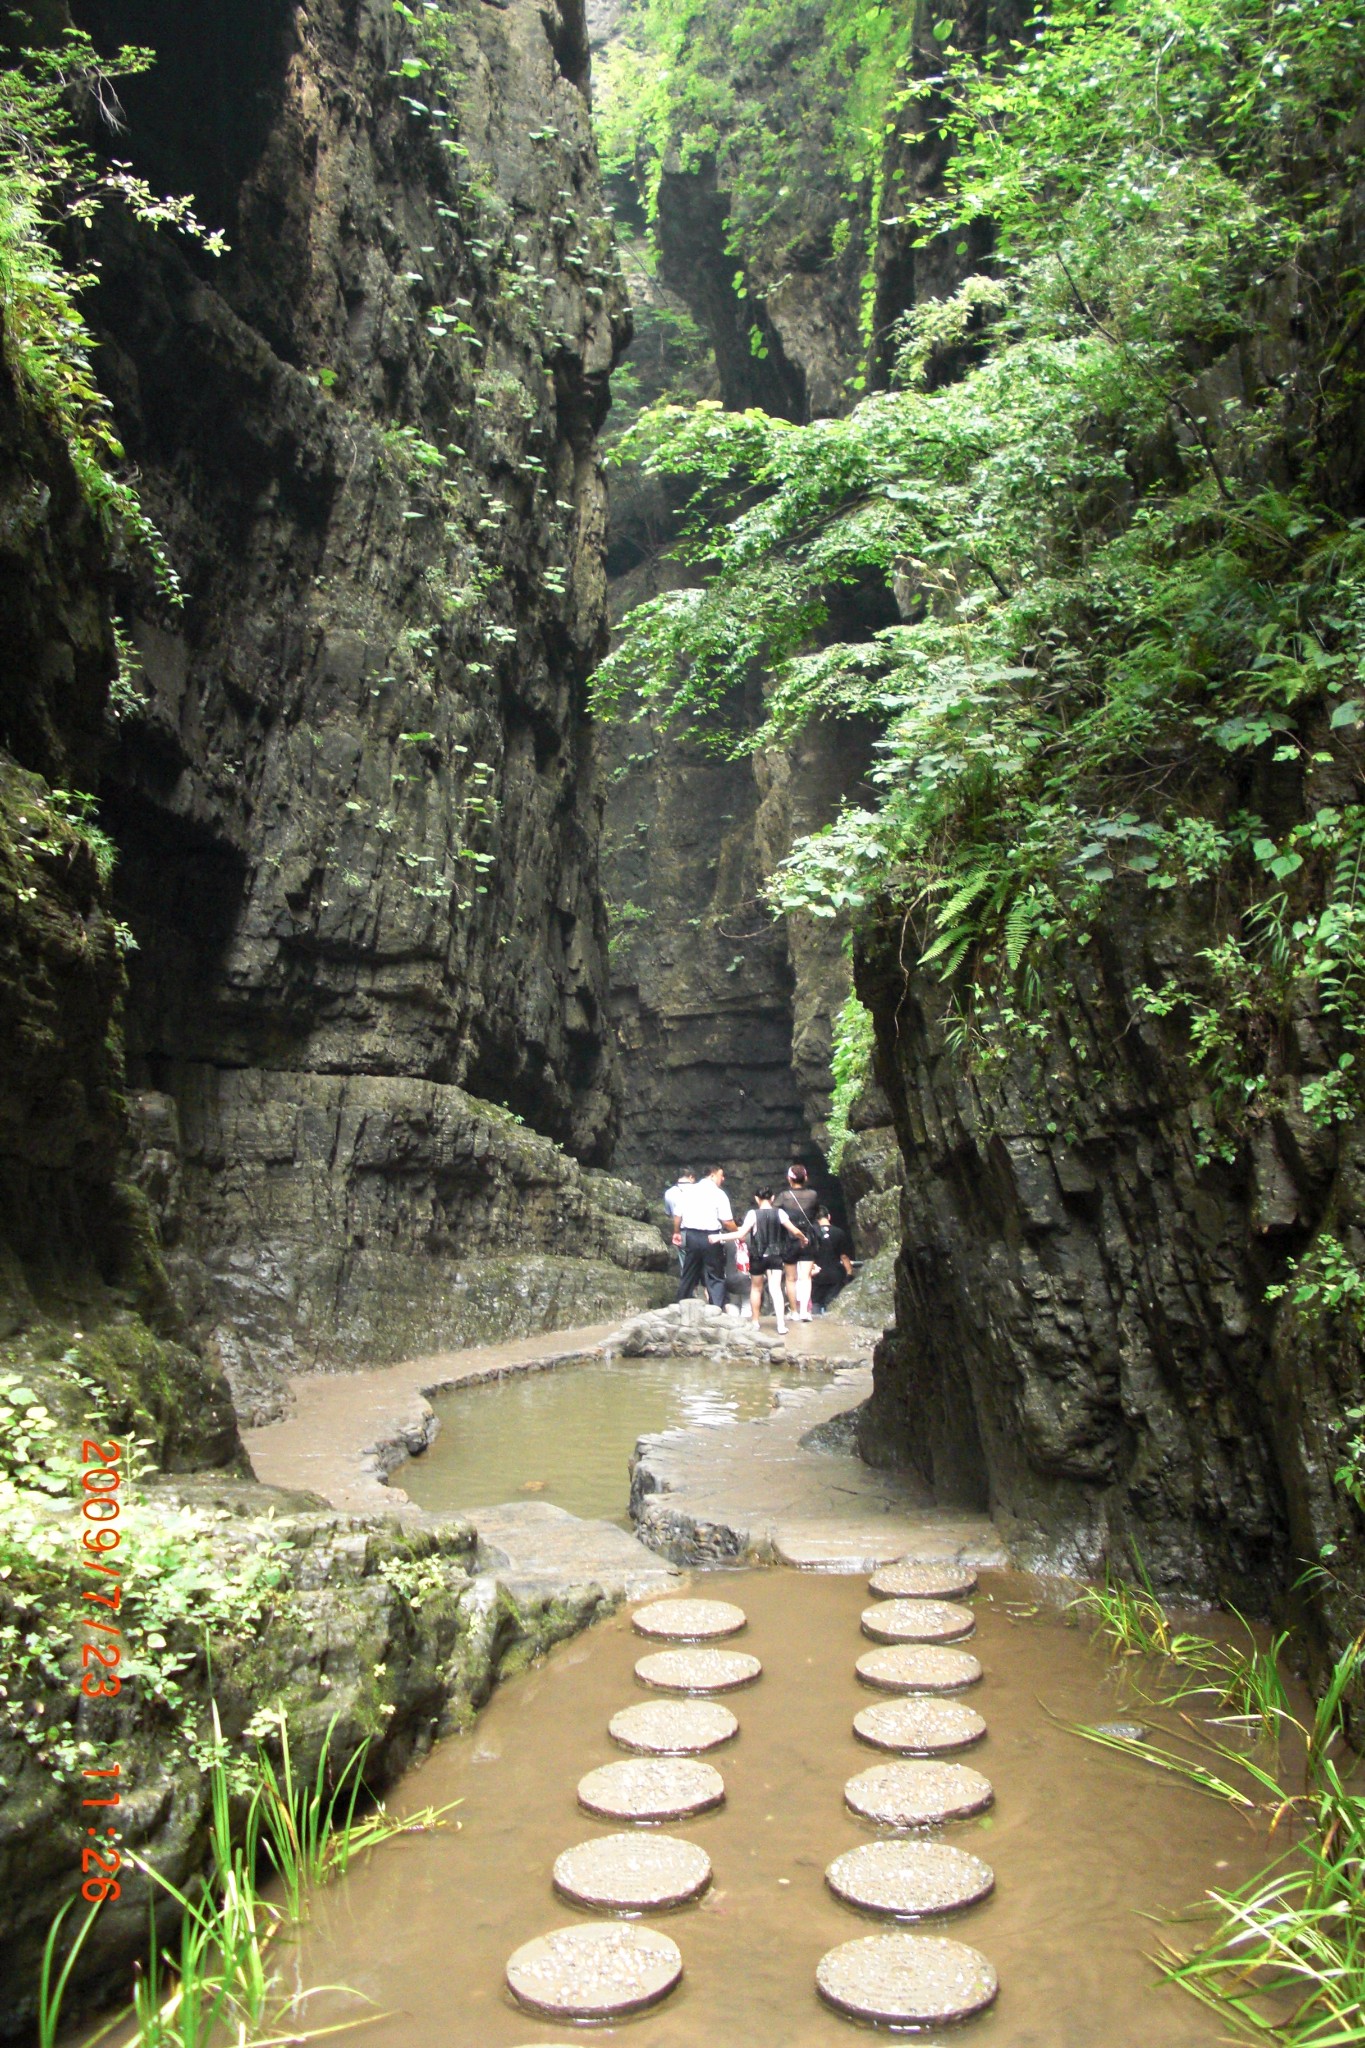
(788, 1241)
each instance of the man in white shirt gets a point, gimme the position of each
(672, 1197)
(703, 1212)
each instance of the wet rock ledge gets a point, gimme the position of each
(265, 1601)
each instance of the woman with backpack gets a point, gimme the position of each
(799, 1202)
(768, 1234)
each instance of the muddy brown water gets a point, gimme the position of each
(1083, 1844)
(567, 1436)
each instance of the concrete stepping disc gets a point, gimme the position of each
(910, 1668)
(651, 1788)
(918, 1795)
(906, 1580)
(673, 1727)
(909, 1879)
(698, 1670)
(689, 1621)
(917, 1621)
(633, 1873)
(594, 1972)
(919, 1727)
(906, 1980)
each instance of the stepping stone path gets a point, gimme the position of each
(673, 1727)
(917, 1795)
(688, 1621)
(633, 1873)
(594, 1972)
(906, 1980)
(919, 1727)
(651, 1788)
(917, 1621)
(606, 1972)
(910, 1980)
(905, 1580)
(698, 1670)
(909, 1879)
(909, 1668)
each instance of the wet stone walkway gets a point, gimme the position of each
(595, 1972)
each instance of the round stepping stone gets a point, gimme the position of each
(905, 1580)
(917, 1795)
(909, 1879)
(919, 1727)
(689, 1621)
(917, 1621)
(673, 1727)
(594, 1972)
(650, 1788)
(910, 1668)
(633, 1873)
(906, 1980)
(698, 1670)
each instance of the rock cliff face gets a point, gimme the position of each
(1082, 1337)
(355, 810)
(352, 1090)
(723, 1016)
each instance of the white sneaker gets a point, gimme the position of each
(746, 1314)
(782, 1329)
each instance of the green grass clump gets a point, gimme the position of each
(217, 1981)
(1284, 1961)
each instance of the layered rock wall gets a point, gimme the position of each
(355, 810)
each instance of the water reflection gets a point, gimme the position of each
(567, 1436)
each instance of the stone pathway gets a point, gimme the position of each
(575, 1973)
(898, 1979)
(911, 1980)
(788, 1489)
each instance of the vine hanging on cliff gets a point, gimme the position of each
(52, 186)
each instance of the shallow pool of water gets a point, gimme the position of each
(1084, 1846)
(567, 1436)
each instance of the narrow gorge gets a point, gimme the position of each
(588, 593)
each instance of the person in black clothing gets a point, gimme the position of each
(833, 1261)
(799, 1201)
(769, 1233)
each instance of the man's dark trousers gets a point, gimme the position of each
(702, 1262)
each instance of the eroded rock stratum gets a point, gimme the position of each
(305, 1055)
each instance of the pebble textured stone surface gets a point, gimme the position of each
(909, 1879)
(594, 1972)
(905, 1580)
(633, 1873)
(919, 1727)
(688, 1621)
(908, 1668)
(917, 1795)
(906, 1979)
(673, 1727)
(651, 1788)
(917, 1621)
(697, 1670)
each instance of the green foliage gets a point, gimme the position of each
(623, 923)
(51, 183)
(1326, 1281)
(851, 1066)
(774, 93)
(192, 1575)
(1285, 1959)
(1110, 614)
